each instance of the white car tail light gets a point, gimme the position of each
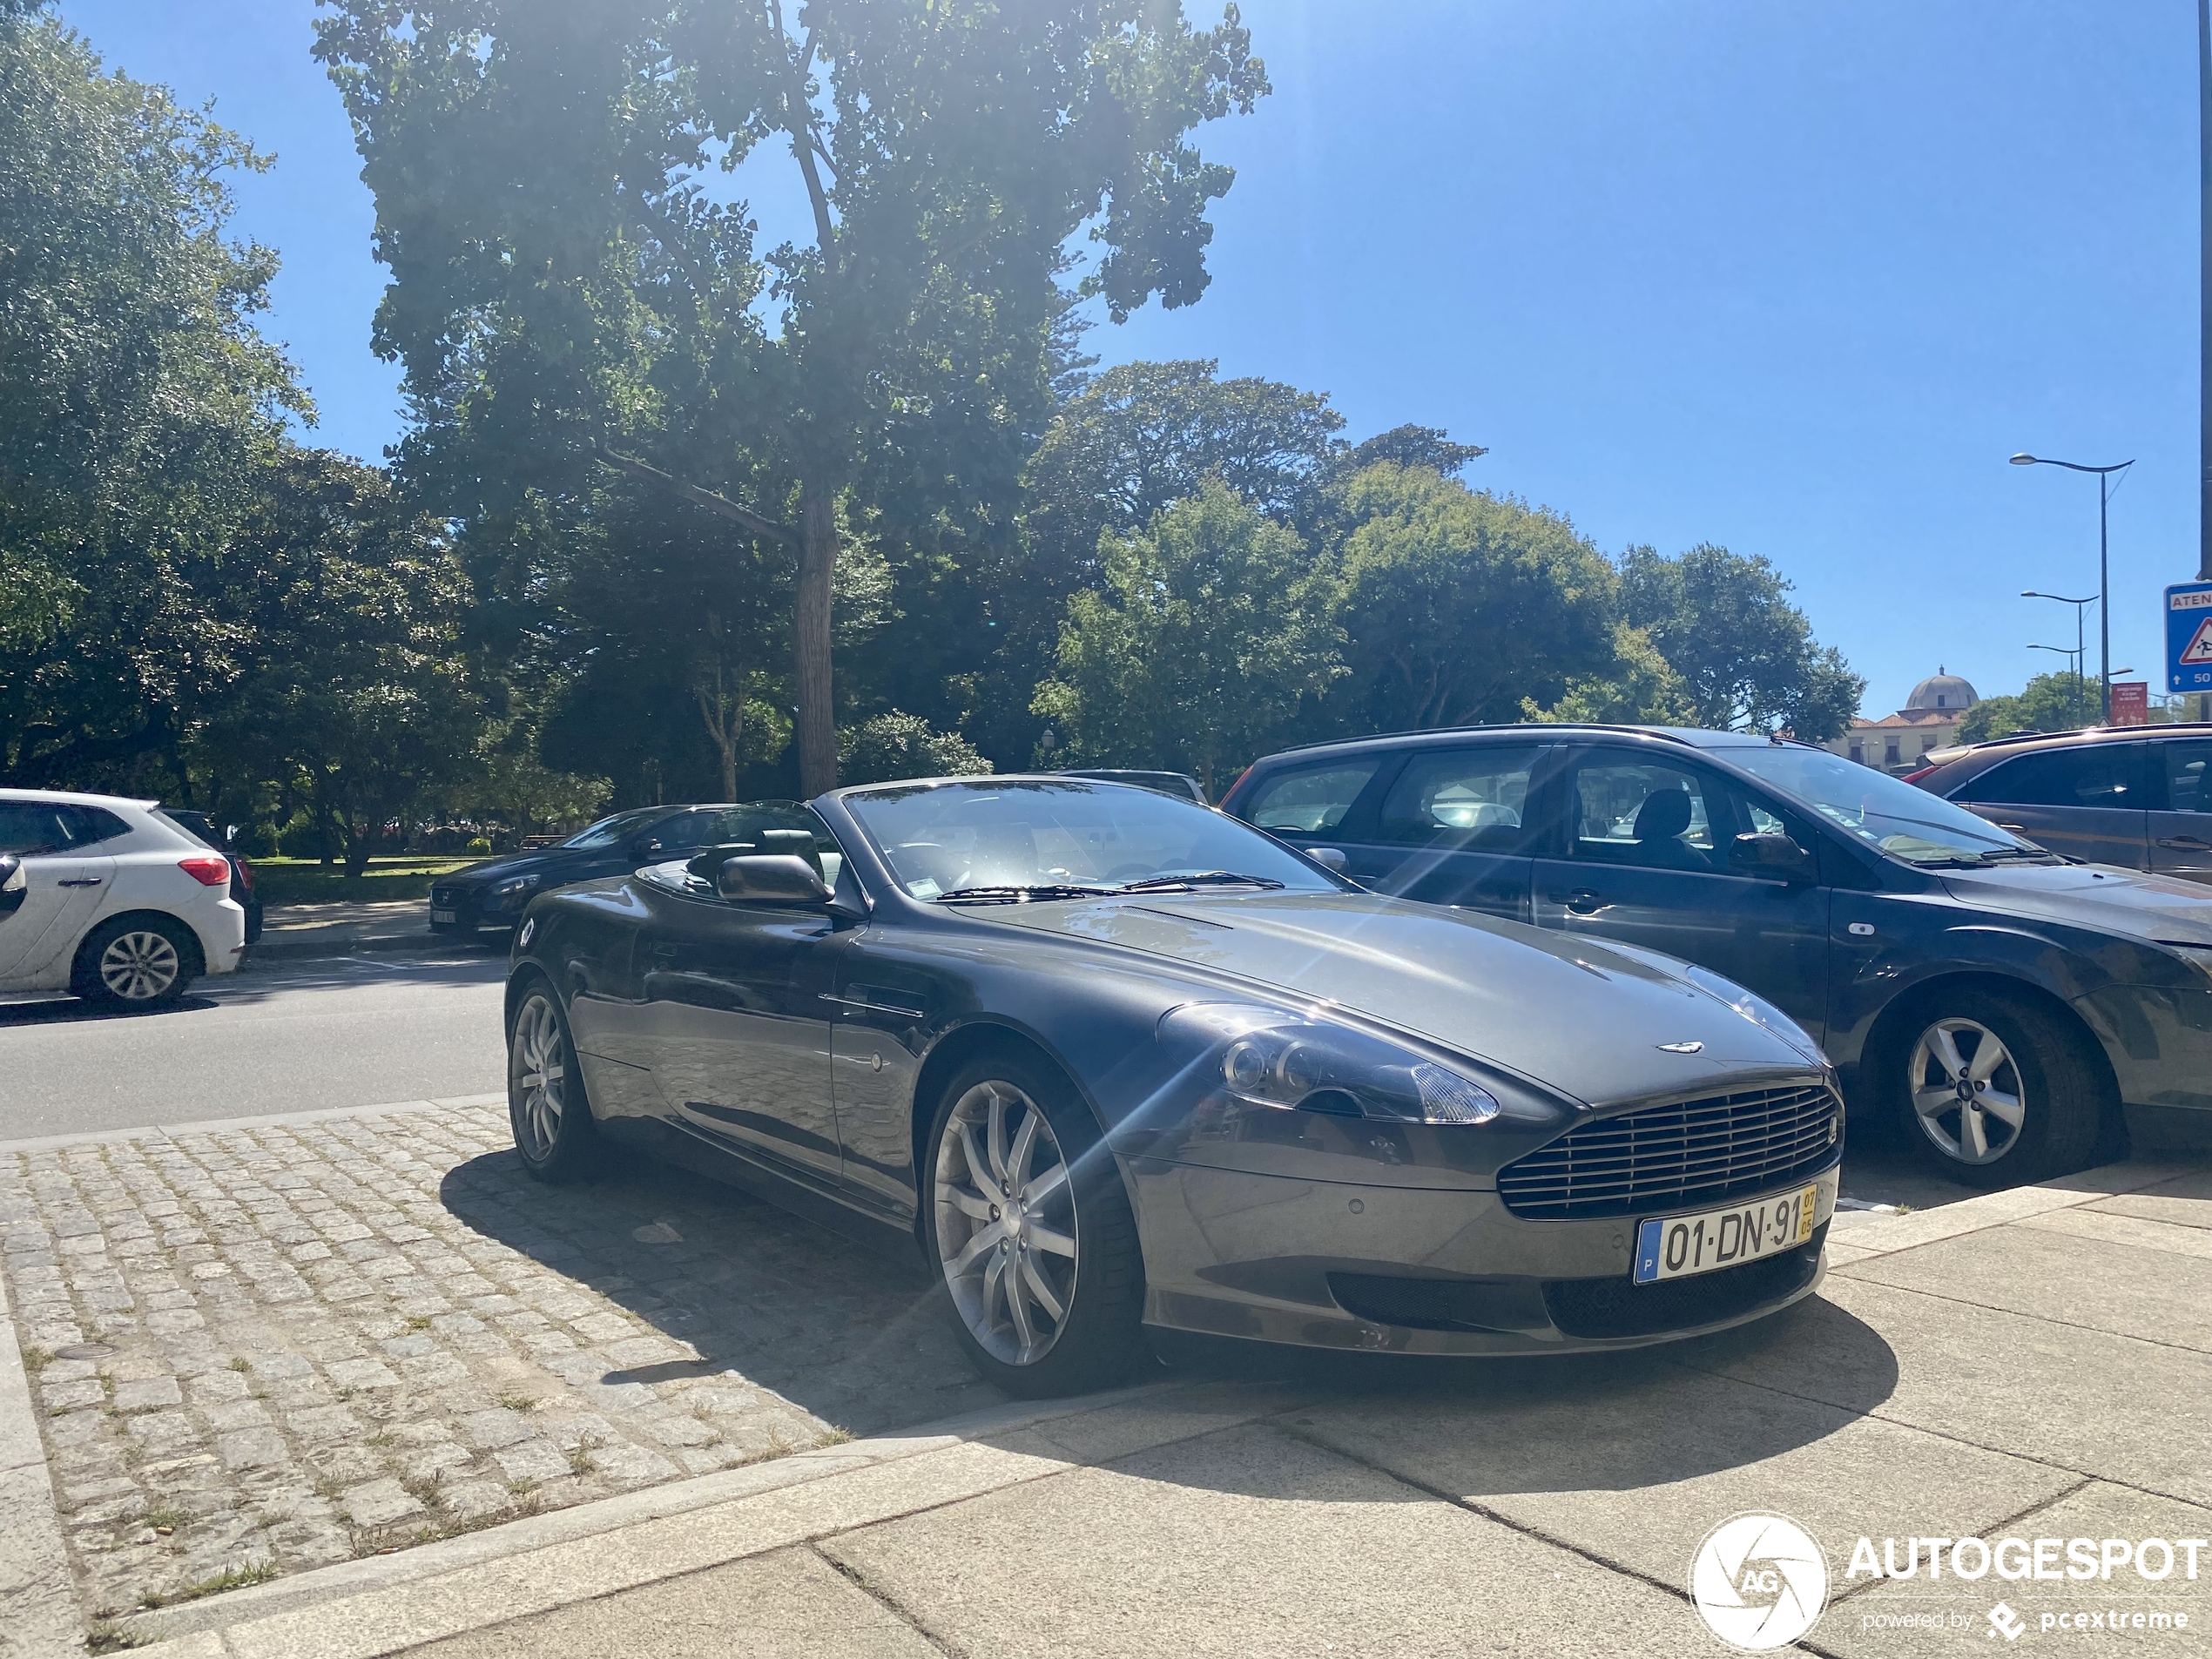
(207, 870)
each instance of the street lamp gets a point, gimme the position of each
(2104, 562)
(2034, 593)
(2073, 668)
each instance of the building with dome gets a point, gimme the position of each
(1928, 721)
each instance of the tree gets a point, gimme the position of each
(902, 746)
(356, 700)
(1456, 606)
(138, 409)
(1639, 687)
(2048, 703)
(1745, 653)
(1211, 627)
(566, 287)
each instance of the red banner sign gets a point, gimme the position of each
(2131, 703)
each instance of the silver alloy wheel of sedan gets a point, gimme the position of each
(1007, 1228)
(1966, 1091)
(141, 966)
(537, 1077)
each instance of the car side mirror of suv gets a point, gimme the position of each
(1329, 858)
(1772, 855)
(14, 885)
(771, 879)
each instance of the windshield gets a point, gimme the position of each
(1058, 835)
(608, 831)
(1896, 818)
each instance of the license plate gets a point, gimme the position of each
(1678, 1246)
(444, 915)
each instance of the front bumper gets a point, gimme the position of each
(470, 910)
(1317, 1264)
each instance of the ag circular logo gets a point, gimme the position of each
(1759, 1582)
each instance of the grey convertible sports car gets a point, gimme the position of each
(1114, 1059)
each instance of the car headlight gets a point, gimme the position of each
(1759, 1011)
(514, 885)
(1271, 1057)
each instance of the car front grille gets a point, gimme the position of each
(445, 897)
(1697, 1151)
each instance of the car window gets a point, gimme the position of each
(2092, 775)
(1649, 813)
(2186, 763)
(1312, 801)
(608, 831)
(1476, 798)
(1895, 817)
(193, 824)
(33, 826)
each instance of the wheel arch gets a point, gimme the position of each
(1893, 1025)
(193, 965)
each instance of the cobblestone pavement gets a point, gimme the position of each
(260, 1350)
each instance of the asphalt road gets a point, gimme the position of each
(289, 1037)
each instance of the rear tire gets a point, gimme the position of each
(1028, 1230)
(136, 962)
(546, 1105)
(1992, 1090)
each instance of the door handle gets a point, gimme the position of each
(2193, 843)
(78, 881)
(1582, 901)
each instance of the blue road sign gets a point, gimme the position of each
(2188, 636)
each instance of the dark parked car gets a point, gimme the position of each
(2132, 796)
(203, 828)
(1111, 1058)
(2000, 1003)
(493, 894)
(1173, 783)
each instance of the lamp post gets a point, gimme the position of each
(2104, 564)
(2074, 667)
(2034, 593)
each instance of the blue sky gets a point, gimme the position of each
(1792, 278)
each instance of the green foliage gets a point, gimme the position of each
(894, 745)
(1213, 627)
(138, 406)
(1639, 687)
(1457, 605)
(2056, 701)
(1745, 653)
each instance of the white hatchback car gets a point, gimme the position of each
(108, 898)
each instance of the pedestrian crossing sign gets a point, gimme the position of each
(2188, 636)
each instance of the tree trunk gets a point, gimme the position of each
(816, 585)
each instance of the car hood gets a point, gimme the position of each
(1570, 1012)
(549, 863)
(2092, 895)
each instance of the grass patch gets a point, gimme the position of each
(420, 1322)
(241, 1365)
(167, 1515)
(231, 1578)
(36, 1358)
(107, 1636)
(515, 1402)
(303, 881)
(836, 1437)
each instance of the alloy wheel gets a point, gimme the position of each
(536, 1077)
(1968, 1095)
(140, 965)
(1007, 1228)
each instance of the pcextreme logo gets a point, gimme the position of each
(1759, 1582)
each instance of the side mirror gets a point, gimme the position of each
(1329, 858)
(771, 879)
(706, 864)
(15, 886)
(1773, 856)
(649, 847)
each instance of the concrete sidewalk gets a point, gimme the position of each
(2035, 1363)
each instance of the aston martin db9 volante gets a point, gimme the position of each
(1112, 1058)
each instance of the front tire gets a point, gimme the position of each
(1992, 1092)
(546, 1105)
(136, 962)
(1028, 1228)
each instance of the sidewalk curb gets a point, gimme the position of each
(419, 942)
(377, 1606)
(229, 1125)
(39, 1608)
(1887, 1235)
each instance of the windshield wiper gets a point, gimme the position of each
(1022, 894)
(1205, 879)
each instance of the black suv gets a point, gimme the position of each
(494, 895)
(2137, 796)
(2001, 1000)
